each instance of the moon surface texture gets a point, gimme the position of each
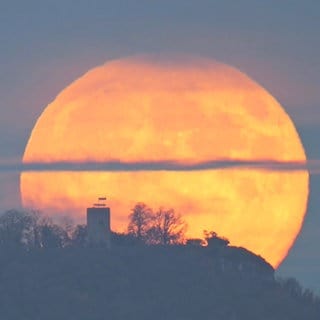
(143, 109)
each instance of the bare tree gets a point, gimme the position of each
(53, 236)
(15, 227)
(32, 229)
(79, 236)
(37, 219)
(167, 228)
(67, 223)
(140, 219)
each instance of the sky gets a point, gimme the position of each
(45, 45)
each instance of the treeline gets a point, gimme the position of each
(33, 229)
(163, 226)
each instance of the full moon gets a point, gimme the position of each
(144, 109)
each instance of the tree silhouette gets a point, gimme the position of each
(167, 228)
(53, 236)
(15, 228)
(31, 229)
(139, 221)
(79, 236)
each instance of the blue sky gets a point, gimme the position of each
(47, 44)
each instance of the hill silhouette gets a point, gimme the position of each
(147, 282)
(49, 271)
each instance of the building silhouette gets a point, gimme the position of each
(98, 224)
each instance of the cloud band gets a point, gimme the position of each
(312, 166)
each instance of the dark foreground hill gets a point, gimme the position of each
(147, 283)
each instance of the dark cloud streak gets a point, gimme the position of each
(313, 166)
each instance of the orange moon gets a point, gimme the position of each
(140, 109)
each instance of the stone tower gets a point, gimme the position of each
(98, 224)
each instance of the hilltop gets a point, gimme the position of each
(147, 282)
(50, 271)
